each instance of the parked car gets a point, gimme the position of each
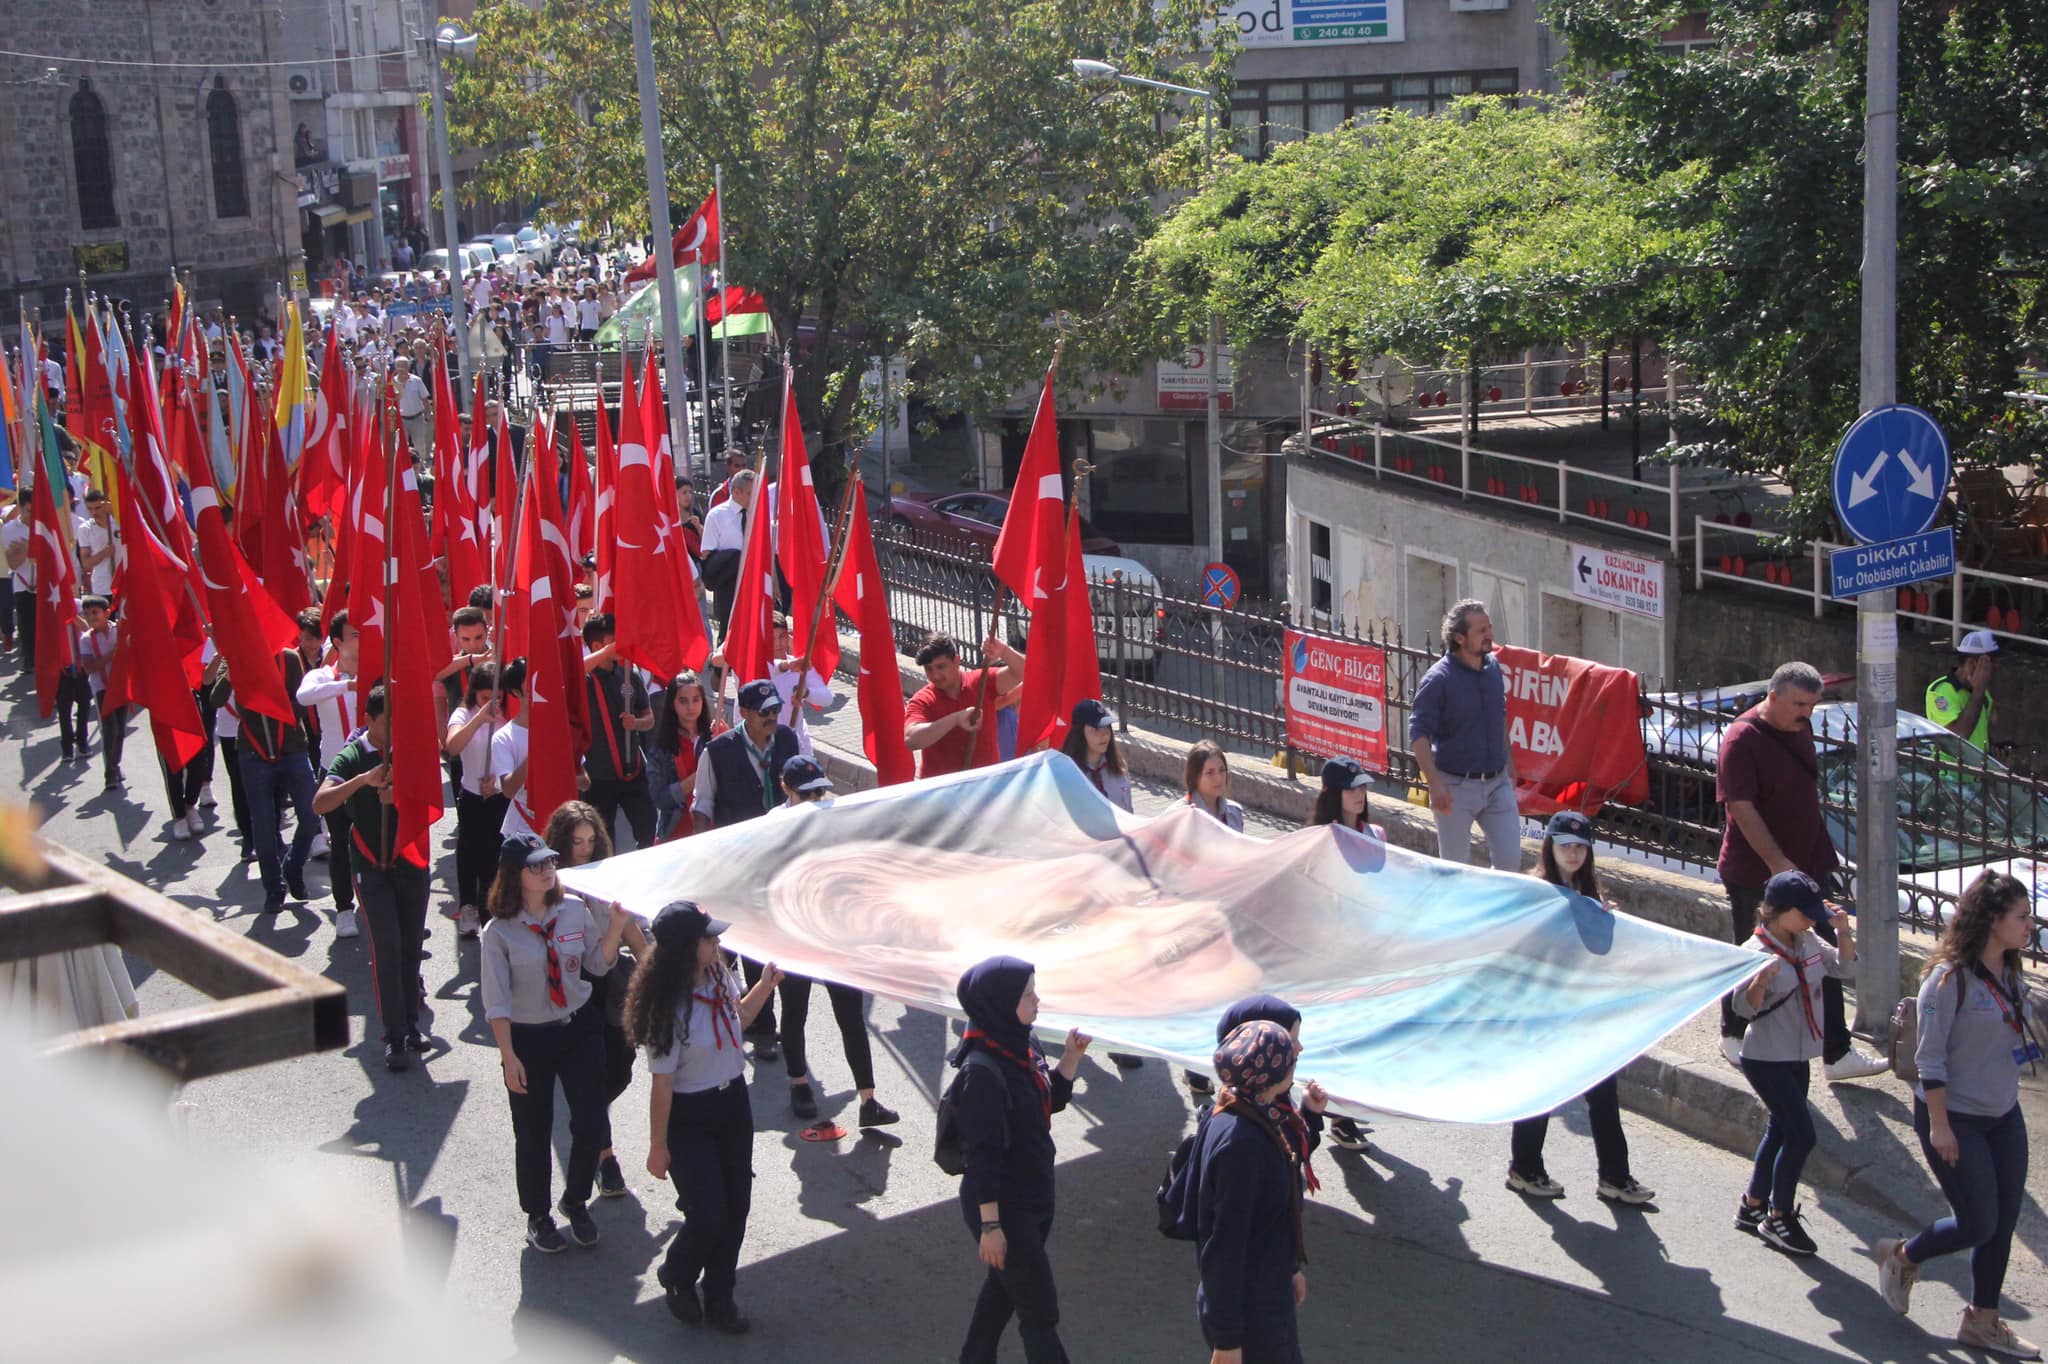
(1961, 811)
(974, 518)
(437, 259)
(485, 252)
(537, 246)
(507, 247)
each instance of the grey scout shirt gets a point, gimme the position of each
(515, 963)
(1783, 1033)
(1463, 712)
(1965, 1044)
(712, 1055)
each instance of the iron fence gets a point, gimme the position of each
(1191, 671)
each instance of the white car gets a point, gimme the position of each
(437, 259)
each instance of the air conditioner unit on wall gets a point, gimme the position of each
(1476, 6)
(303, 82)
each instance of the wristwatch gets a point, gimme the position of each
(987, 1227)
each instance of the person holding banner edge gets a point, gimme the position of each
(1458, 731)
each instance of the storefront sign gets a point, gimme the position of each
(1627, 582)
(1300, 23)
(1336, 694)
(391, 168)
(1575, 732)
(1184, 384)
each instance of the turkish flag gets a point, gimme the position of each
(732, 301)
(283, 565)
(249, 628)
(368, 549)
(675, 549)
(50, 548)
(696, 242)
(321, 482)
(650, 618)
(543, 493)
(150, 637)
(800, 538)
(749, 646)
(582, 507)
(1082, 675)
(417, 625)
(864, 597)
(551, 752)
(454, 533)
(1028, 553)
(504, 490)
(606, 525)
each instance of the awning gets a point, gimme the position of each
(327, 215)
(361, 215)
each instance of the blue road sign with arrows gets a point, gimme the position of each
(1891, 470)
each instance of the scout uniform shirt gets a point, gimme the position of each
(514, 963)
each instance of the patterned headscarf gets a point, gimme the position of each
(1287, 1118)
(1254, 1057)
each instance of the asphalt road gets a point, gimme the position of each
(856, 1251)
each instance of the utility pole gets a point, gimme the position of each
(664, 248)
(1877, 650)
(450, 242)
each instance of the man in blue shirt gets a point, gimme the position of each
(1458, 730)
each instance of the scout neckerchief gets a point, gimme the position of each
(1798, 970)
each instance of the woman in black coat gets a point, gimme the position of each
(1003, 1103)
(1248, 1203)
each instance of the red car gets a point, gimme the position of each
(972, 517)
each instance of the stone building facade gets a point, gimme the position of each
(146, 137)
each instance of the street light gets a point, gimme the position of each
(1088, 69)
(459, 44)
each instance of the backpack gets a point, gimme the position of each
(947, 1152)
(1176, 1197)
(1906, 1032)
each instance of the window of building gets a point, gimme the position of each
(92, 159)
(224, 147)
(1266, 113)
(1142, 489)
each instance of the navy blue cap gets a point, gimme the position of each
(1569, 827)
(696, 922)
(1795, 890)
(804, 774)
(1345, 774)
(761, 696)
(1093, 714)
(527, 851)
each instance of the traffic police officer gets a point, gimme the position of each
(1960, 700)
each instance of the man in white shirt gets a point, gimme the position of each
(413, 408)
(725, 536)
(586, 313)
(508, 758)
(97, 540)
(330, 691)
(786, 673)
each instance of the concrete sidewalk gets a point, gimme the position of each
(1868, 1149)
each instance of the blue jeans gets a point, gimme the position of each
(1789, 1136)
(267, 786)
(1984, 1187)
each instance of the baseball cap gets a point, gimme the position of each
(760, 696)
(527, 851)
(1093, 714)
(1795, 890)
(695, 920)
(804, 774)
(1978, 642)
(1345, 774)
(1569, 827)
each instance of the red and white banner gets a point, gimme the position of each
(1336, 692)
(1575, 730)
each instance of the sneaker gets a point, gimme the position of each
(542, 1235)
(873, 1114)
(582, 1230)
(345, 924)
(1125, 1061)
(1857, 1065)
(727, 1318)
(682, 1298)
(1895, 1273)
(468, 923)
(1786, 1231)
(1988, 1331)
(416, 1042)
(1731, 1051)
(1535, 1186)
(206, 800)
(451, 910)
(181, 830)
(1749, 1217)
(67, 755)
(1200, 1084)
(395, 1057)
(273, 904)
(1627, 1191)
(1347, 1135)
(802, 1101)
(295, 886)
(766, 1048)
(611, 1180)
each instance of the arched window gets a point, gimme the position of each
(224, 145)
(92, 158)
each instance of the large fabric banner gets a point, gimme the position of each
(1426, 989)
(1576, 732)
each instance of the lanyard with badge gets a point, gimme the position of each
(2009, 1008)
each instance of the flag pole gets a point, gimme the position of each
(703, 339)
(511, 567)
(393, 443)
(754, 509)
(834, 564)
(724, 282)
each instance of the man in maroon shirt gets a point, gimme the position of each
(943, 721)
(1768, 778)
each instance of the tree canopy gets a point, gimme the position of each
(917, 177)
(1490, 228)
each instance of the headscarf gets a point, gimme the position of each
(989, 992)
(1255, 1056)
(1273, 1009)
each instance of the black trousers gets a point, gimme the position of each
(395, 912)
(1835, 1039)
(74, 709)
(611, 796)
(711, 1161)
(478, 820)
(1023, 1287)
(25, 625)
(848, 1010)
(341, 857)
(181, 787)
(764, 1022)
(236, 799)
(113, 734)
(571, 1052)
(1610, 1147)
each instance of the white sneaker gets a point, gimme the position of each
(451, 910)
(1857, 1065)
(180, 829)
(1731, 1051)
(1895, 1275)
(206, 800)
(345, 924)
(468, 922)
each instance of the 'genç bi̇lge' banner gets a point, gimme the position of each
(1336, 698)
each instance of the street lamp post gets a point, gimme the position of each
(462, 46)
(664, 247)
(1089, 69)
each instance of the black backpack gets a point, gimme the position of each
(946, 1149)
(1177, 1211)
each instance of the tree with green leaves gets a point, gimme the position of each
(916, 177)
(1772, 114)
(1480, 232)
